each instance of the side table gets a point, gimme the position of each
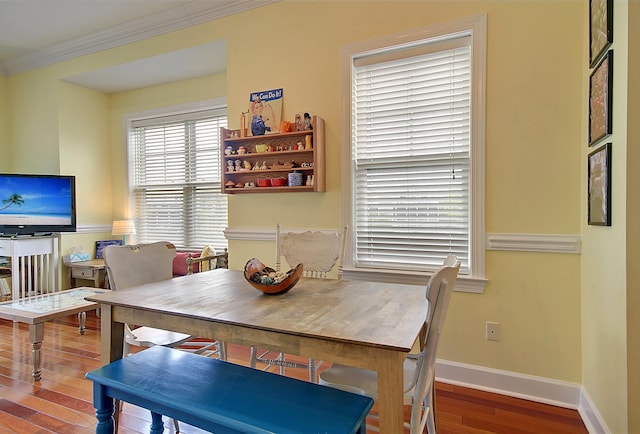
(93, 269)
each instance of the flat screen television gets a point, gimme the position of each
(37, 204)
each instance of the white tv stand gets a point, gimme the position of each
(34, 264)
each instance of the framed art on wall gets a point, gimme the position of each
(600, 28)
(599, 184)
(601, 99)
(100, 245)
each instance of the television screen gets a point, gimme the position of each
(37, 204)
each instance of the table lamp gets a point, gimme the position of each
(124, 228)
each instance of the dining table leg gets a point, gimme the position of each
(390, 393)
(111, 336)
(112, 339)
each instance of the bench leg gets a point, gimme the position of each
(104, 410)
(157, 427)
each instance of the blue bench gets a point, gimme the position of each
(222, 397)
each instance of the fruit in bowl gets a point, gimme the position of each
(268, 280)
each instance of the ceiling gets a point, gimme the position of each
(36, 33)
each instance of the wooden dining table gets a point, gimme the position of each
(370, 325)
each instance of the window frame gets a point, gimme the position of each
(130, 118)
(476, 28)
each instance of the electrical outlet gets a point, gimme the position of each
(493, 331)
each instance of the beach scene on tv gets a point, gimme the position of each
(35, 201)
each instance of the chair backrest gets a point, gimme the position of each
(318, 251)
(135, 265)
(439, 290)
(208, 262)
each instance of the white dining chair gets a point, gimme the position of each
(419, 369)
(319, 252)
(134, 265)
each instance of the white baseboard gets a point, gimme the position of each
(529, 387)
(590, 415)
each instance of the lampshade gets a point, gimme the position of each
(123, 227)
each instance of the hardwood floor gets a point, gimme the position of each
(62, 401)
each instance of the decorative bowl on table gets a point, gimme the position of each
(267, 280)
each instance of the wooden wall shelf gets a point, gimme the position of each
(284, 149)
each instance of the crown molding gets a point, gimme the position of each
(188, 15)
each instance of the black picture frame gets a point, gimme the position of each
(600, 29)
(599, 186)
(601, 99)
(100, 245)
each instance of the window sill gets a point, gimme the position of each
(464, 284)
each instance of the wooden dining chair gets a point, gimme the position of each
(419, 369)
(134, 265)
(319, 252)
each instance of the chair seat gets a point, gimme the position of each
(149, 336)
(364, 381)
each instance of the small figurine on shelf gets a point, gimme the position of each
(307, 122)
(243, 123)
(299, 124)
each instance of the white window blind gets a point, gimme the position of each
(411, 155)
(175, 179)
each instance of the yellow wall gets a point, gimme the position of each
(560, 314)
(34, 135)
(5, 156)
(84, 145)
(633, 210)
(604, 259)
(84, 150)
